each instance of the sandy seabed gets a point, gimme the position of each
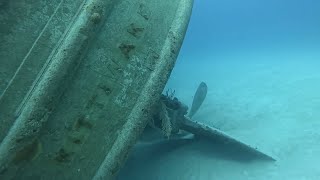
(271, 102)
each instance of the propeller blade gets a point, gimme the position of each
(198, 98)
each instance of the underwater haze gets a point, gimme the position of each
(260, 60)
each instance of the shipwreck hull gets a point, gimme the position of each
(78, 79)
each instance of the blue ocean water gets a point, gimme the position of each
(229, 27)
(260, 60)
